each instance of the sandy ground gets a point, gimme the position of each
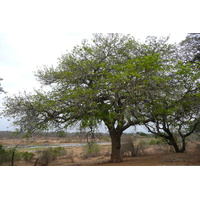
(153, 156)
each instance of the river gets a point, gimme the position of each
(53, 145)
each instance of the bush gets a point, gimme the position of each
(129, 148)
(2, 154)
(91, 149)
(59, 151)
(142, 134)
(6, 155)
(61, 134)
(27, 156)
(50, 154)
(153, 142)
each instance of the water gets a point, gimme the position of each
(57, 145)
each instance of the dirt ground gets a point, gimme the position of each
(171, 159)
(153, 156)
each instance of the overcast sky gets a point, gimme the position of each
(36, 33)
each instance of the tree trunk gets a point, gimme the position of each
(116, 145)
(183, 144)
(175, 145)
(13, 155)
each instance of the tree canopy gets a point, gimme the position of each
(175, 107)
(191, 47)
(112, 79)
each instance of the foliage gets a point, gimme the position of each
(27, 156)
(142, 134)
(93, 83)
(50, 154)
(174, 104)
(6, 155)
(2, 154)
(190, 48)
(61, 134)
(153, 142)
(91, 149)
(175, 107)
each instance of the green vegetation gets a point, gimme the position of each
(6, 156)
(142, 134)
(61, 134)
(27, 156)
(49, 155)
(154, 142)
(91, 149)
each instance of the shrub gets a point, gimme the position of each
(27, 156)
(2, 154)
(59, 151)
(153, 142)
(106, 139)
(91, 149)
(50, 154)
(7, 154)
(61, 134)
(142, 134)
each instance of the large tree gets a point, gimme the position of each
(99, 81)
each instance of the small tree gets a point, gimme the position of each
(13, 154)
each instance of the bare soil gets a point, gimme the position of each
(154, 155)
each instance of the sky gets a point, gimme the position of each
(37, 33)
